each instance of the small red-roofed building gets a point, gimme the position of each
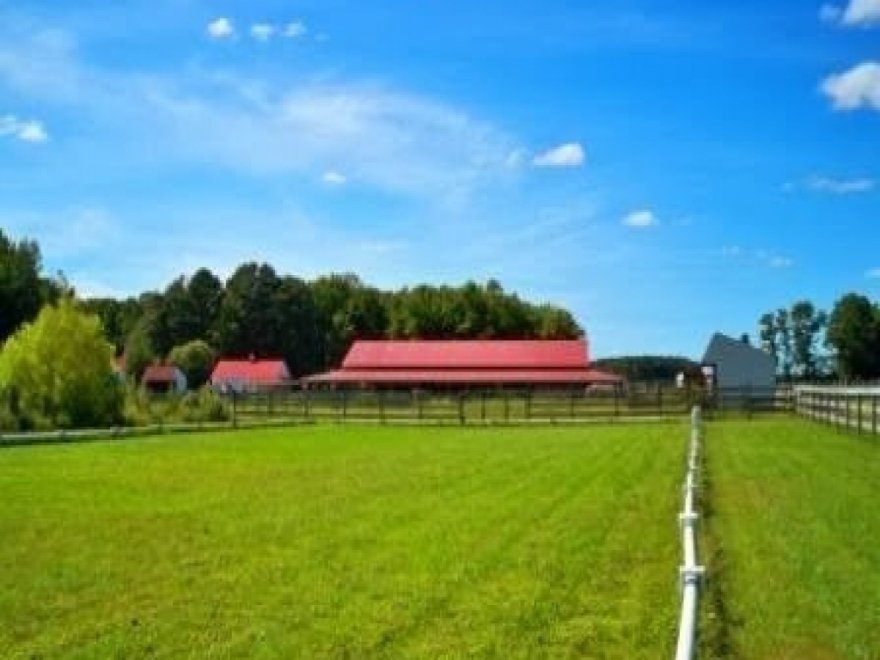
(163, 379)
(249, 375)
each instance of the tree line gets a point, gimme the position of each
(259, 312)
(809, 343)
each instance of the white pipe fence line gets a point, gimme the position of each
(855, 407)
(691, 572)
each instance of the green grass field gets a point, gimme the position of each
(424, 542)
(794, 541)
(344, 541)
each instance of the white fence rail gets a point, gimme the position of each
(856, 408)
(691, 572)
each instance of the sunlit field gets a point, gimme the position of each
(795, 559)
(345, 541)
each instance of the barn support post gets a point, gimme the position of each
(234, 410)
(528, 403)
(381, 394)
(483, 406)
(418, 396)
(461, 396)
(506, 406)
(859, 412)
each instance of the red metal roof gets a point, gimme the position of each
(251, 371)
(470, 354)
(160, 373)
(463, 376)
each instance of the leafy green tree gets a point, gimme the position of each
(767, 333)
(196, 360)
(58, 369)
(22, 291)
(783, 342)
(139, 352)
(118, 317)
(854, 334)
(806, 325)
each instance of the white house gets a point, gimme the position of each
(739, 365)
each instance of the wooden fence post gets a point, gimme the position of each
(859, 415)
(874, 414)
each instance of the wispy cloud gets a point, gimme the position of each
(640, 219)
(295, 30)
(776, 261)
(841, 186)
(387, 138)
(873, 273)
(570, 154)
(862, 13)
(334, 178)
(221, 28)
(760, 257)
(856, 88)
(26, 130)
(262, 31)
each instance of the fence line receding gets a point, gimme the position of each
(691, 572)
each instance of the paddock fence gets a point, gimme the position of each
(387, 406)
(842, 406)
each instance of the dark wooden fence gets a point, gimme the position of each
(498, 406)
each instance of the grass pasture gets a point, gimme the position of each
(344, 541)
(794, 533)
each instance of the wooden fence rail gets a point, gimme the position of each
(845, 407)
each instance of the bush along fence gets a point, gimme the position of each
(691, 572)
(855, 408)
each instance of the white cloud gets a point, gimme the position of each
(776, 261)
(334, 178)
(731, 250)
(386, 138)
(26, 130)
(873, 273)
(856, 88)
(262, 31)
(830, 13)
(295, 30)
(221, 28)
(570, 154)
(640, 219)
(841, 186)
(862, 12)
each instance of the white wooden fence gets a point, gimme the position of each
(845, 407)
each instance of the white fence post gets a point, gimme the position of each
(691, 572)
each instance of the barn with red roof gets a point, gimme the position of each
(466, 363)
(249, 375)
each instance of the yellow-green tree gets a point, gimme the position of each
(57, 371)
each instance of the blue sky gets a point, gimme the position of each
(663, 169)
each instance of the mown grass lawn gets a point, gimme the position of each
(794, 541)
(346, 541)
